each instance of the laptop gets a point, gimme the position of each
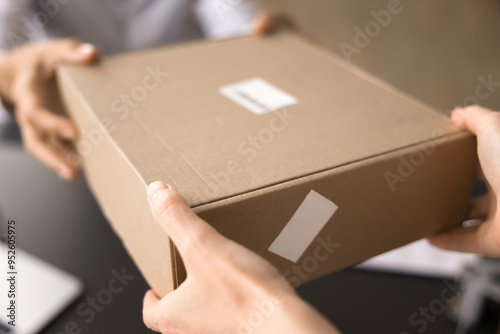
(42, 291)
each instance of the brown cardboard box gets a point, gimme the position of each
(370, 168)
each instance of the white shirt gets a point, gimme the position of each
(122, 25)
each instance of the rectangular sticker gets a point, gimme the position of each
(311, 216)
(258, 96)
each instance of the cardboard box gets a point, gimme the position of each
(345, 168)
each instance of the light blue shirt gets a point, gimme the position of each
(122, 25)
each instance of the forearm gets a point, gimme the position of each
(11, 29)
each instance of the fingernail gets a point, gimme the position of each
(456, 115)
(64, 173)
(86, 48)
(156, 187)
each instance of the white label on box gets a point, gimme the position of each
(258, 96)
(311, 216)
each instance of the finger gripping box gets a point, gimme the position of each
(310, 162)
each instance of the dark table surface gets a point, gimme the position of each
(61, 223)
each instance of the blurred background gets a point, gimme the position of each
(437, 51)
(433, 50)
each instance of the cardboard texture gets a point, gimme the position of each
(384, 169)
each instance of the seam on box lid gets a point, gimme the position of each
(448, 135)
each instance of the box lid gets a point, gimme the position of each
(166, 112)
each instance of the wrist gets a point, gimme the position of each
(293, 315)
